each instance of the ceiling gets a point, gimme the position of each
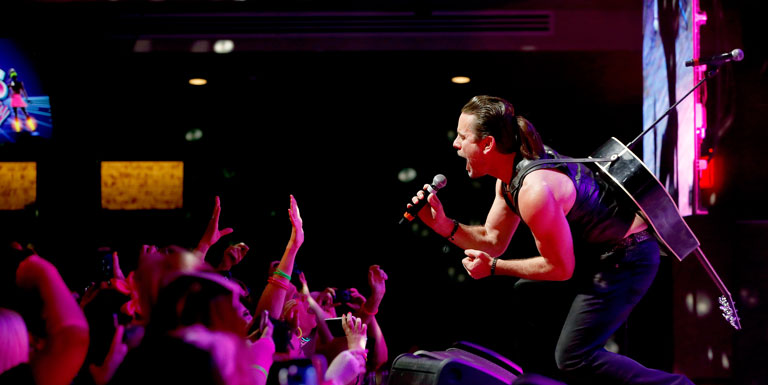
(313, 26)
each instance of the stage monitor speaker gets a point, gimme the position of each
(463, 364)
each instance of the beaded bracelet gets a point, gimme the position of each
(455, 229)
(493, 266)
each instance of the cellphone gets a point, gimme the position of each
(343, 297)
(335, 327)
(107, 267)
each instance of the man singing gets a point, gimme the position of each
(586, 234)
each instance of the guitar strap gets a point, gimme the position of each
(526, 166)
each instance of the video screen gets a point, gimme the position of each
(669, 149)
(25, 109)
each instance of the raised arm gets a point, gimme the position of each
(296, 240)
(319, 311)
(212, 233)
(66, 343)
(379, 354)
(273, 296)
(377, 282)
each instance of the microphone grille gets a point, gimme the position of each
(439, 181)
(737, 54)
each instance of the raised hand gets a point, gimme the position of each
(325, 298)
(377, 279)
(304, 287)
(117, 350)
(212, 232)
(356, 300)
(325, 301)
(118, 273)
(356, 331)
(297, 233)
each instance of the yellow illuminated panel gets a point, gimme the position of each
(18, 184)
(142, 185)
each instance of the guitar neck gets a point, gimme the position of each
(726, 301)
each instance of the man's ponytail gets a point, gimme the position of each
(531, 146)
(496, 117)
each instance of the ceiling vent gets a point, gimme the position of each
(341, 23)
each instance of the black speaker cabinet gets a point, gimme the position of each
(463, 364)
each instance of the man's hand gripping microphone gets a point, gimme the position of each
(410, 214)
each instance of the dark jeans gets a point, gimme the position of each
(603, 294)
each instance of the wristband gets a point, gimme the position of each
(280, 273)
(277, 283)
(455, 229)
(493, 266)
(260, 369)
(369, 312)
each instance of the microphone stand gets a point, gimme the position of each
(711, 72)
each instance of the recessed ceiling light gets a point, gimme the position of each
(194, 135)
(198, 82)
(200, 46)
(142, 45)
(223, 46)
(406, 175)
(460, 79)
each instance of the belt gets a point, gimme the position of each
(632, 240)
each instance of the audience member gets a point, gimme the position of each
(55, 354)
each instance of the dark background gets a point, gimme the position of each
(333, 117)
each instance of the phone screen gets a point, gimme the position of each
(334, 326)
(107, 268)
(298, 371)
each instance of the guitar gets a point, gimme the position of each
(619, 166)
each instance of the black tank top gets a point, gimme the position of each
(600, 214)
(16, 87)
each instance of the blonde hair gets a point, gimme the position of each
(13, 339)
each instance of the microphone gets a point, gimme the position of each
(735, 55)
(438, 182)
